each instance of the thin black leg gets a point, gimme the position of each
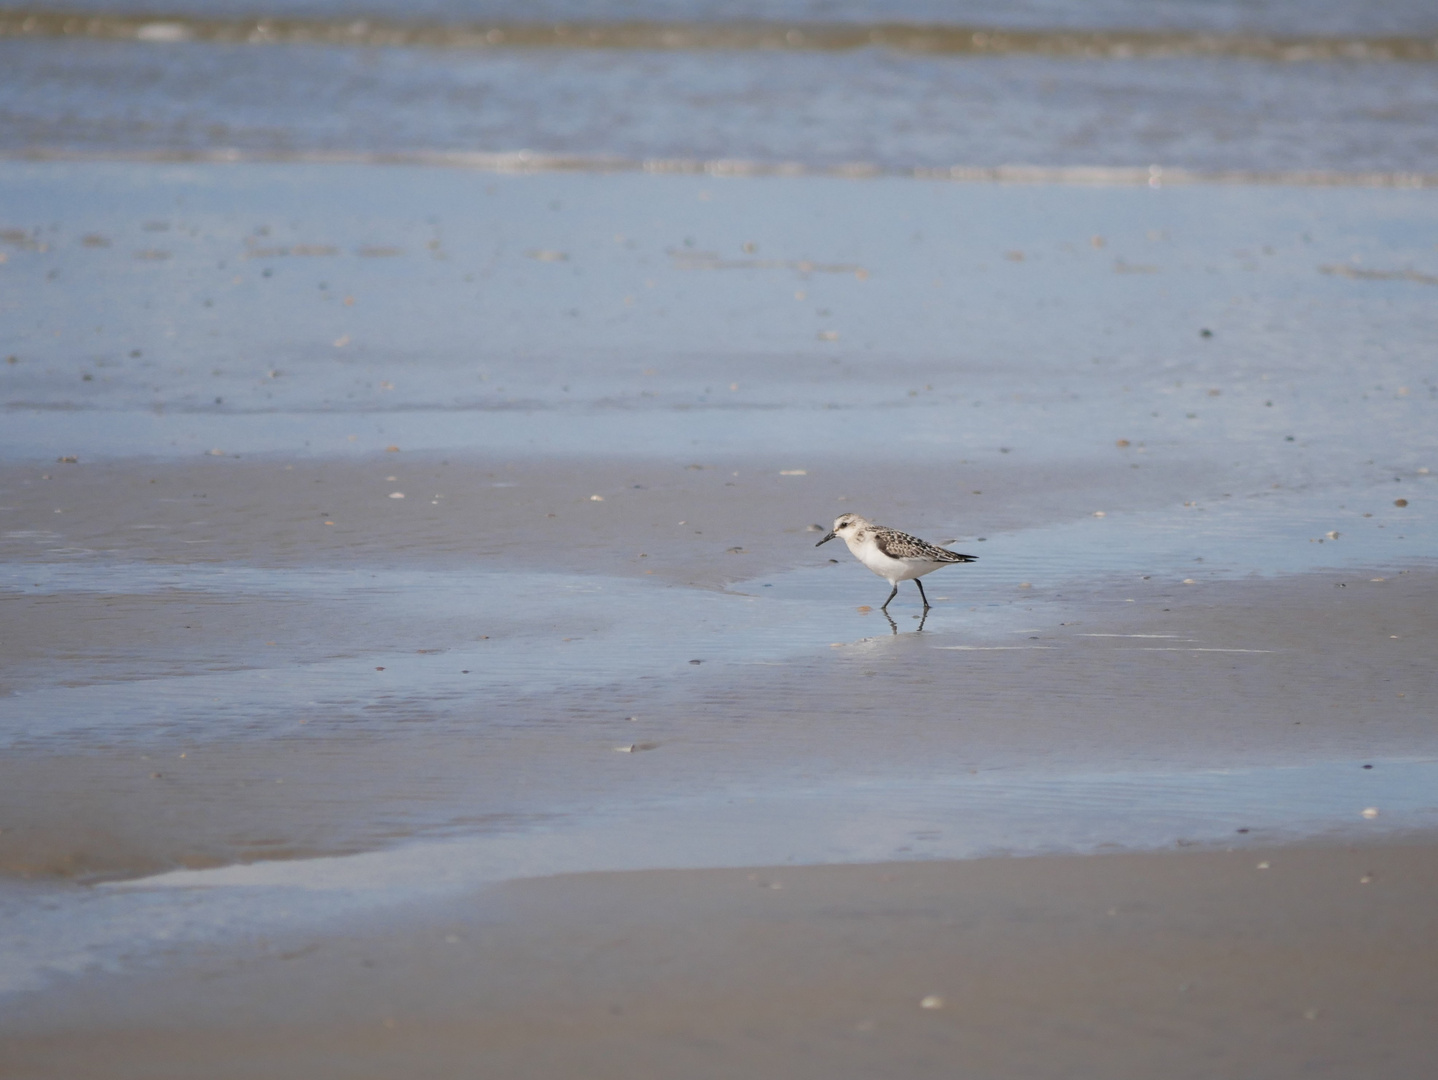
(925, 599)
(891, 596)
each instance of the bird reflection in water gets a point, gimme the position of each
(894, 627)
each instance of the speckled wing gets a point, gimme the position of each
(900, 545)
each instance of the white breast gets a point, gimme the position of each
(892, 570)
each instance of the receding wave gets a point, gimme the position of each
(943, 40)
(527, 161)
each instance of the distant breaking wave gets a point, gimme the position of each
(526, 161)
(941, 40)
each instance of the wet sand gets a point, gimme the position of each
(420, 725)
(265, 723)
(1311, 962)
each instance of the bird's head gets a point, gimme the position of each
(845, 526)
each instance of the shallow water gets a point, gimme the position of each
(602, 109)
(1334, 87)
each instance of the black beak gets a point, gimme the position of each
(826, 539)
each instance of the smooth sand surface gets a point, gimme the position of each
(1267, 963)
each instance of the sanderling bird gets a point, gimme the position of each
(895, 556)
